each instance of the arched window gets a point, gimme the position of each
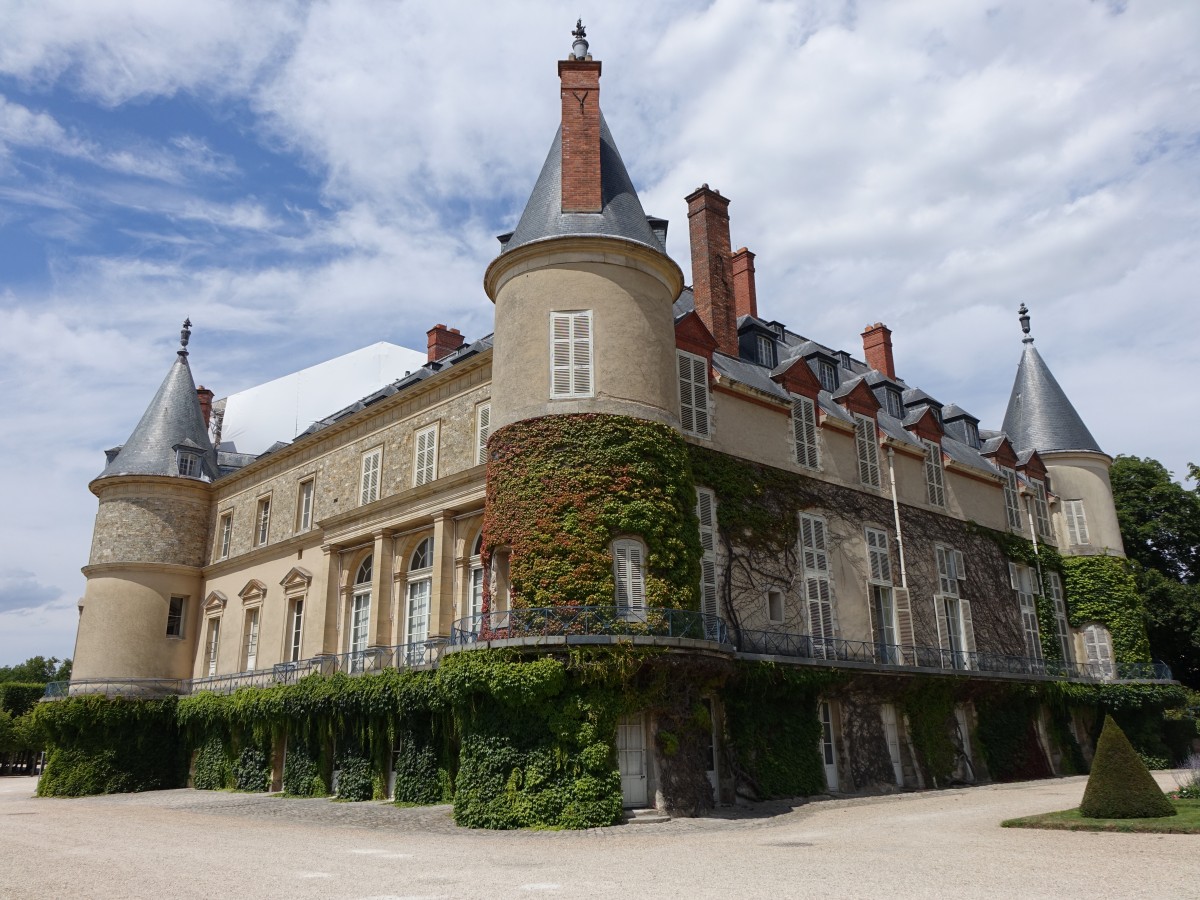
(420, 587)
(360, 611)
(628, 556)
(475, 579)
(1097, 643)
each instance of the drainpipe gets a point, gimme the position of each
(891, 456)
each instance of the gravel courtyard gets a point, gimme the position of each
(941, 844)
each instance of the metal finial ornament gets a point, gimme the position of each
(185, 335)
(579, 48)
(1024, 319)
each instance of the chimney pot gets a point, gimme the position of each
(745, 297)
(877, 347)
(442, 342)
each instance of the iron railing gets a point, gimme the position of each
(576, 621)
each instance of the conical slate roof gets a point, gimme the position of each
(173, 420)
(621, 214)
(1039, 415)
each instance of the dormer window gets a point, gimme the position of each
(188, 462)
(893, 403)
(937, 414)
(845, 356)
(765, 351)
(972, 433)
(828, 375)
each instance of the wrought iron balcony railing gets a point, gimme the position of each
(578, 621)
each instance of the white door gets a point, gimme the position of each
(631, 758)
(828, 753)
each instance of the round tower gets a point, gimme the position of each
(588, 478)
(1041, 417)
(141, 606)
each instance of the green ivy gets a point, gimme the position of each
(355, 779)
(252, 771)
(211, 770)
(301, 774)
(561, 488)
(929, 705)
(1102, 589)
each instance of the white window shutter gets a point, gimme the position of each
(804, 432)
(968, 625)
(944, 562)
(687, 401)
(483, 430)
(960, 566)
(560, 355)
(693, 394)
(868, 451)
(934, 476)
(706, 514)
(581, 349)
(905, 632)
(939, 610)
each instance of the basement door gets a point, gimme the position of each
(631, 758)
(828, 753)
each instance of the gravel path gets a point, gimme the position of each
(200, 844)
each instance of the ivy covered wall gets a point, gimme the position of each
(560, 489)
(1102, 589)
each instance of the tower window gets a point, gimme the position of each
(175, 617)
(188, 463)
(570, 354)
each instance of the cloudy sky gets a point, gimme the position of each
(305, 179)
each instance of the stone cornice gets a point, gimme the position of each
(99, 570)
(115, 487)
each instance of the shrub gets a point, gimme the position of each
(355, 781)
(252, 771)
(1120, 786)
(300, 775)
(80, 773)
(212, 771)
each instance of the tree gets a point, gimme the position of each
(1120, 786)
(1159, 518)
(37, 670)
(1160, 527)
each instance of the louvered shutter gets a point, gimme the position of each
(934, 481)
(905, 632)
(426, 456)
(482, 430)
(868, 451)
(939, 610)
(693, 394)
(631, 585)
(706, 514)
(1012, 504)
(370, 478)
(804, 432)
(560, 355)
(637, 581)
(581, 353)
(960, 566)
(968, 627)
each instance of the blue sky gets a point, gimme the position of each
(304, 179)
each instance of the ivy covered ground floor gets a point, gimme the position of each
(521, 738)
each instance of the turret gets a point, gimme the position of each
(1040, 417)
(141, 607)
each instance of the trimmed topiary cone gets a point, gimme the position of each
(1120, 786)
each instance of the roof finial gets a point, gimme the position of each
(1024, 319)
(579, 48)
(184, 336)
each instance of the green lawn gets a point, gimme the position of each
(1186, 822)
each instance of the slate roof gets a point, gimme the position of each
(621, 214)
(1039, 415)
(173, 419)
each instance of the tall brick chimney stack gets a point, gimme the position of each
(745, 298)
(708, 228)
(204, 395)
(443, 341)
(580, 92)
(877, 348)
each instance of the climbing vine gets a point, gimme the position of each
(560, 489)
(1102, 589)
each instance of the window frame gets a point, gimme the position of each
(212, 643)
(893, 403)
(295, 628)
(224, 534)
(818, 583)
(764, 350)
(1077, 527)
(250, 638)
(193, 463)
(629, 580)
(483, 430)
(262, 521)
(475, 580)
(176, 616)
(569, 346)
(305, 501)
(776, 598)
(827, 375)
(427, 472)
(1052, 581)
(1024, 584)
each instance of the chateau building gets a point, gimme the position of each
(836, 516)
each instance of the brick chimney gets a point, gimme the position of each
(708, 228)
(443, 341)
(745, 299)
(580, 92)
(204, 395)
(877, 347)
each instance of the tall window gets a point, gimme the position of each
(827, 374)
(304, 506)
(804, 432)
(420, 587)
(706, 513)
(1054, 590)
(1097, 643)
(1077, 530)
(879, 595)
(175, 616)
(972, 433)
(955, 628)
(765, 350)
(570, 354)
(425, 455)
(868, 451)
(369, 484)
(212, 643)
(893, 403)
(693, 394)
(483, 429)
(1012, 503)
(475, 579)
(1022, 578)
(1041, 511)
(935, 478)
(818, 592)
(262, 519)
(629, 575)
(295, 626)
(250, 641)
(226, 535)
(360, 614)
